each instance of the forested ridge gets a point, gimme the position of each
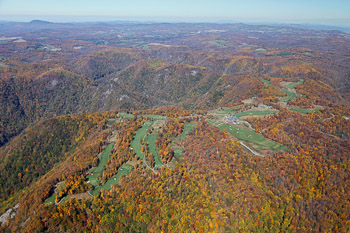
(187, 128)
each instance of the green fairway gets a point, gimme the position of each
(267, 82)
(257, 112)
(123, 170)
(188, 127)
(304, 110)
(111, 121)
(291, 85)
(50, 200)
(104, 157)
(227, 110)
(156, 117)
(247, 135)
(59, 187)
(301, 110)
(151, 140)
(224, 111)
(290, 95)
(178, 152)
(136, 143)
(125, 115)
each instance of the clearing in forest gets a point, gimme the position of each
(156, 117)
(123, 170)
(304, 110)
(188, 127)
(125, 115)
(255, 113)
(103, 157)
(140, 134)
(226, 110)
(151, 141)
(290, 91)
(244, 134)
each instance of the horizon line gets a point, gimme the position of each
(172, 19)
(267, 23)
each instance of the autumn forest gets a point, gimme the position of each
(130, 127)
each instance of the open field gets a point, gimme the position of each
(136, 143)
(151, 140)
(247, 135)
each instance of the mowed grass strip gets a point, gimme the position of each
(291, 85)
(151, 140)
(249, 136)
(188, 127)
(227, 110)
(178, 152)
(156, 117)
(111, 121)
(50, 200)
(140, 133)
(256, 112)
(304, 110)
(104, 157)
(123, 170)
(125, 115)
(290, 95)
(267, 82)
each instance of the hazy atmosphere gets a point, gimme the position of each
(298, 11)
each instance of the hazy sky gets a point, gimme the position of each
(336, 12)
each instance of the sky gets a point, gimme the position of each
(327, 12)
